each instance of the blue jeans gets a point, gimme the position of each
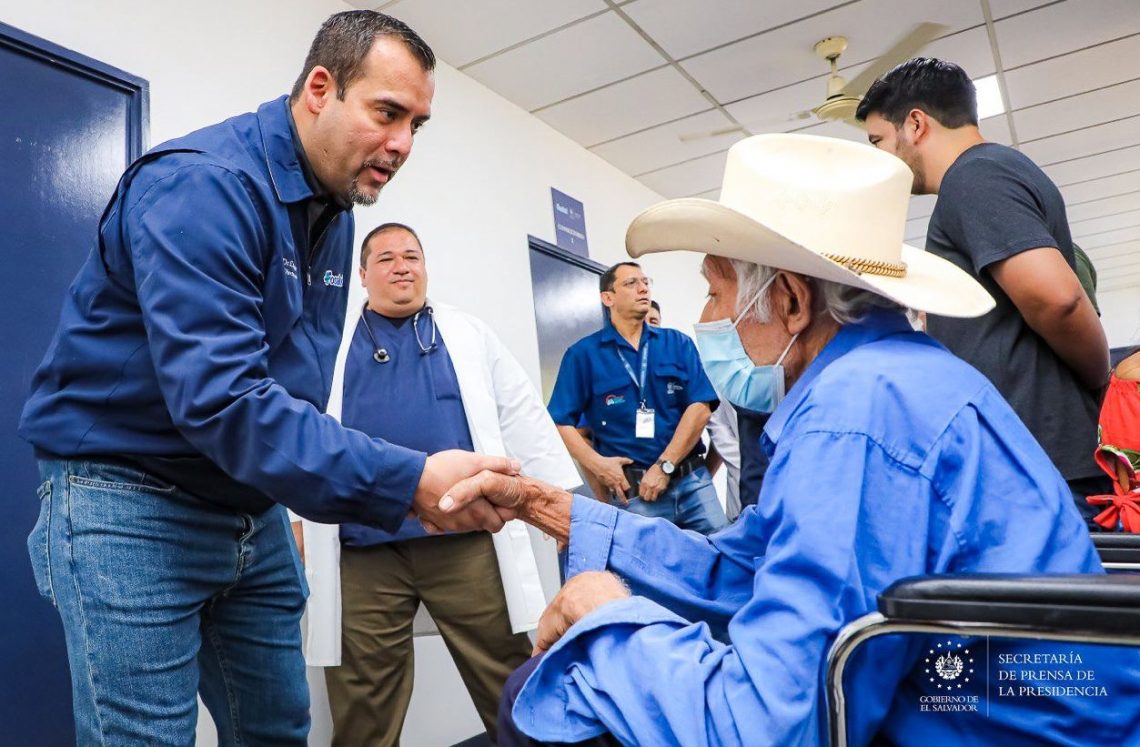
(164, 596)
(689, 502)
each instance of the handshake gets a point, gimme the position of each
(461, 491)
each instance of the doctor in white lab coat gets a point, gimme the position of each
(505, 416)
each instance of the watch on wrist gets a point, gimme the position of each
(666, 466)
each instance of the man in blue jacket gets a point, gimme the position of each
(181, 401)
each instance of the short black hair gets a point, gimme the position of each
(606, 282)
(939, 88)
(345, 39)
(392, 226)
(655, 305)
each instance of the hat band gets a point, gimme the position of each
(870, 266)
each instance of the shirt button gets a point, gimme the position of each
(603, 422)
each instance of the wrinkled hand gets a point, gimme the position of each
(539, 504)
(653, 484)
(580, 596)
(446, 468)
(608, 471)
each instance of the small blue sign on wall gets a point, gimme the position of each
(569, 223)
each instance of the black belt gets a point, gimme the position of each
(635, 472)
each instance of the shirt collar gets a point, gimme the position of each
(289, 168)
(878, 324)
(610, 333)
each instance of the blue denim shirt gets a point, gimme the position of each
(203, 325)
(890, 458)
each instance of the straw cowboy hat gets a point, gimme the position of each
(818, 206)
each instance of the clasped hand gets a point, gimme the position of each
(443, 470)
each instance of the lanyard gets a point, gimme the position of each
(644, 367)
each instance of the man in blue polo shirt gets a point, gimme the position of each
(646, 398)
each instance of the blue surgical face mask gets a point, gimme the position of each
(731, 371)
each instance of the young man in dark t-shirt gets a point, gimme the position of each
(1000, 218)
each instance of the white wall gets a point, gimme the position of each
(478, 182)
(1120, 314)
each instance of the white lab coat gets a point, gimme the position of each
(506, 417)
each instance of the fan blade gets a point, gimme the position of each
(903, 50)
(690, 137)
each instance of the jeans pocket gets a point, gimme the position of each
(39, 544)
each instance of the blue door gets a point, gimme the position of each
(70, 127)
(566, 303)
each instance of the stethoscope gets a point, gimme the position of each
(381, 355)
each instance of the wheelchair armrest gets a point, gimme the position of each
(1108, 603)
(1117, 547)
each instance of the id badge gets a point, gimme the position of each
(644, 427)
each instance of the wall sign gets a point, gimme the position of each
(569, 223)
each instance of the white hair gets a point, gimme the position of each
(842, 303)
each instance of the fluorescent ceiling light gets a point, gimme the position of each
(989, 97)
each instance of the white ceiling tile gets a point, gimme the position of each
(1001, 8)
(841, 130)
(1063, 27)
(996, 129)
(1116, 260)
(1105, 137)
(1099, 189)
(916, 229)
(1115, 205)
(1073, 73)
(769, 112)
(662, 146)
(629, 106)
(1095, 167)
(554, 67)
(1115, 102)
(686, 27)
(784, 56)
(1108, 238)
(921, 206)
(1114, 252)
(460, 31)
(970, 50)
(712, 194)
(689, 178)
(1097, 226)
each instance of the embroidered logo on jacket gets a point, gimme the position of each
(614, 399)
(334, 279)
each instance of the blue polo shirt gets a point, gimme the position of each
(592, 382)
(412, 400)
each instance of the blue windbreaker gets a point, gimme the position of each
(202, 330)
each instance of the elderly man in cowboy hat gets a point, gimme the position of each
(889, 458)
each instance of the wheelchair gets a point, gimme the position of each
(1073, 608)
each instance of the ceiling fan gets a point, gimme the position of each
(843, 97)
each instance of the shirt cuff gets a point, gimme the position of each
(551, 707)
(591, 535)
(397, 477)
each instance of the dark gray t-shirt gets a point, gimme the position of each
(994, 203)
